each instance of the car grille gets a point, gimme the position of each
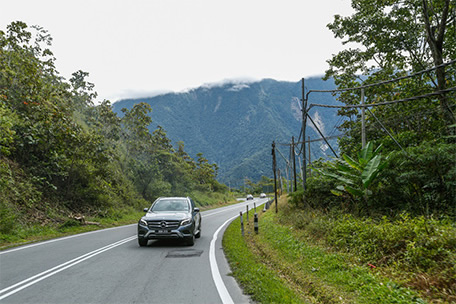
(163, 224)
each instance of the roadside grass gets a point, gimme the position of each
(211, 200)
(258, 280)
(278, 265)
(415, 251)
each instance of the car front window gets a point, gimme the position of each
(170, 205)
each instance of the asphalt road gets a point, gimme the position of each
(108, 266)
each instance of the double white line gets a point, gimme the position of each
(6, 292)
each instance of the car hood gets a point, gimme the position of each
(151, 216)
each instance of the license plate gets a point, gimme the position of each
(162, 231)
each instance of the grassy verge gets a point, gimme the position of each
(211, 200)
(279, 265)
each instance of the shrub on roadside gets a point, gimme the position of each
(421, 181)
(418, 245)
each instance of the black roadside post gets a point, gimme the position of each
(255, 222)
(247, 208)
(242, 223)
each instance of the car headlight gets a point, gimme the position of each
(187, 221)
(143, 222)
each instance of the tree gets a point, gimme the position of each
(83, 91)
(59, 153)
(7, 133)
(142, 167)
(136, 125)
(394, 38)
(205, 173)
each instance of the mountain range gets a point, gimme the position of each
(234, 124)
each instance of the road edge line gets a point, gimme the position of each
(216, 277)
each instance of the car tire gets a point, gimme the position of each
(191, 240)
(198, 235)
(142, 242)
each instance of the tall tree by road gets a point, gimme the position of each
(394, 38)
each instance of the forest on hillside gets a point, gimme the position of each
(63, 152)
(242, 120)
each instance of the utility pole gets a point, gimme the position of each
(304, 121)
(275, 177)
(294, 163)
(363, 121)
(280, 181)
(310, 171)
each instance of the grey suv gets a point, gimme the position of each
(170, 218)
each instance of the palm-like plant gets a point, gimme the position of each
(357, 176)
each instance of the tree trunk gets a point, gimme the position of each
(435, 38)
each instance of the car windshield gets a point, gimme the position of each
(170, 205)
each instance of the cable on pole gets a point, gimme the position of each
(386, 81)
(383, 103)
(386, 130)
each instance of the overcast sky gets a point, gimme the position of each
(140, 47)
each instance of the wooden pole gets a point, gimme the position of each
(294, 163)
(275, 176)
(363, 121)
(310, 171)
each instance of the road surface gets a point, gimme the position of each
(108, 266)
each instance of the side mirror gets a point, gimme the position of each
(146, 209)
(196, 209)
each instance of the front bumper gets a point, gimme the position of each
(181, 232)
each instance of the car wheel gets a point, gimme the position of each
(191, 240)
(198, 235)
(142, 242)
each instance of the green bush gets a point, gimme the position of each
(7, 219)
(421, 181)
(318, 190)
(7, 134)
(405, 244)
(69, 223)
(416, 243)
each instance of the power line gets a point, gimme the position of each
(384, 82)
(311, 141)
(384, 103)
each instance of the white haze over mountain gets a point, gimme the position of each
(236, 85)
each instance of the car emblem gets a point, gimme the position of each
(163, 224)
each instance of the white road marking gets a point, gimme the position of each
(50, 272)
(259, 203)
(224, 210)
(216, 277)
(61, 239)
(221, 288)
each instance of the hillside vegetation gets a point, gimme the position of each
(234, 124)
(62, 158)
